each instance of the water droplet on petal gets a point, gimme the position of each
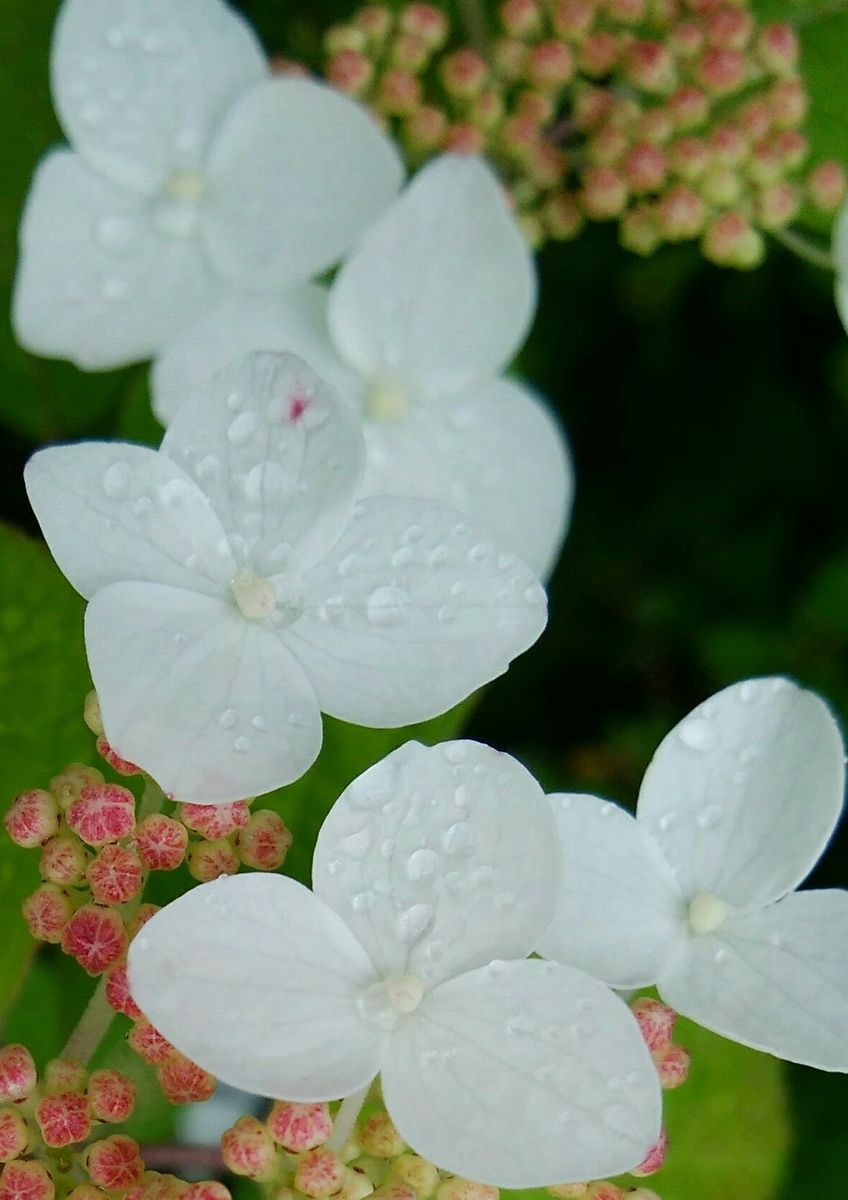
(422, 865)
(455, 752)
(241, 429)
(414, 922)
(709, 818)
(114, 233)
(459, 840)
(356, 845)
(504, 900)
(116, 480)
(259, 723)
(388, 605)
(363, 901)
(698, 734)
(402, 557)
(241, 745)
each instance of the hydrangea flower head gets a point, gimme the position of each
(415, 331)
(697, 893)
(431, 864)
(236, 590)
(191, 174)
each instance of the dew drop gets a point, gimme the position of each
(413, 534)
(720, 956)
(259, 723)
(242, 428)
(481, 875)
(174, 490)
(438, 556)
(461, 796)
(335, 866)
(362, 901)
(116, 480)
(749, 691)
(387, 605)
(114, 233)
(455, 752)
(709, 818)
(295, 719)
(142, 506)
(414, 922)
(241, 745)
(535, 594)
(227, 718)
(387, 847)
(698, 734)
(356, 845)
(349, 564)
(478, 552)
(459, 840)
(422, 865)
(402, 557)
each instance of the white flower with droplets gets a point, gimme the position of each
(433, 875)
(421, 321)
(191, 175)
(697, 893)
(237, 590)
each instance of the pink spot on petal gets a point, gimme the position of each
(297, 407)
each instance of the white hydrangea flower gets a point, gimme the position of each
(191, 175)
(434, 861)
(236, 590)
(415, 331)
(697, 893)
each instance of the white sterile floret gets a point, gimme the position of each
(191, 175)
(433, 875)
(237, 590)
(697, 893)
(415, 331)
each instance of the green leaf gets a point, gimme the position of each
(43, 680)
(824, 47)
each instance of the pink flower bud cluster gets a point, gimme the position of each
(679, 119)
(656, 1021)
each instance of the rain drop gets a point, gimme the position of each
(402, 557)
(114, 233)
(142, 506)
(241, 429)
(116, 480)
(710, 818)
(227, 718)
(259, 723)
(422, 865)
(415, 921)
(356, 845)
(241, 745)
(698, 734)
(387, 605)
(459, 840)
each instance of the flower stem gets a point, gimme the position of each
(804, 248)
(346, 1118)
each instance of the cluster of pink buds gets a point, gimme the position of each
(679, 119)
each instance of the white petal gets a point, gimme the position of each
(140, 85)
(257, 980)
(440, 858)
(210, 704)
(277, 453)
(96, 282)
(521, 1074)
(410, 612)
(298, 172)
(442, 291)
(619, 913)
(776, 979)
(495, 453)
(289, 322)
(743, 795)
(113, 511)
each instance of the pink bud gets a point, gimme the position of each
(591, 107)
(319, 1173)
(149, 1043)
(68, 784)
(298, 1127)
(122, 766)
(142, 916)
(568, 1191)
(103, 813)
(207, 1189)
(154, 1186)
(111, 1096)
(509, 58)
(599, 52)
(721, 186)
(792, 147)
(114, 875)
(521, 18)
(689, 107)
(765, 165)
(654, 1159)
(18, 1075)
(47, 912)
(826, 186)
(729, 27)
(731, 242)
(788, 103)
(627, 12)
(562, 216)
(350, 71)
(26, 1181)
(656, 126)
(419, 1174)
(64, 1075)
(778, 49)
(214, 820)
(14, 1135)
(604, 1190)
(114, 1163)
(118, 992)
(161, 842)
(681, 214)
(32, 818)
(91, 714)
(379, 1137)
(63, 860)
(638, 230)
(458, 1188)
(722, 71)
(729, 145)
(689, 158)
(463, 73)
(686, 40)
(210, 860)
(650, 66)
(184, 1082)
(604, 193)
(95, 937)
(572, 19)
(63, 1119)
(342, 37)
(375, 21)
(427, 22)
(550, 65)
(645, 168)
(535, 106)
(777, 205)
(410, 52)
(425, 128)
(248, 1149)
(464, 138)
(264, 841)
(755, 119)
(86, 1191)
(486, 109)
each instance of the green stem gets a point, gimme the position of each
(806, 249)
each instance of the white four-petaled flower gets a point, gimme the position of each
(237, 590)
(435, 860)
(697, 894)
(414, 332)
(192, 175)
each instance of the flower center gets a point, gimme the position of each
(386, 1002)
(175, 211)
(186, 186)
(255, 596)
(707, 913)
(385, 401)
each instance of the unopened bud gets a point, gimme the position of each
(535, 106)
(458, 1188)
(154, 1186)
(521, 18)
(427, 22)
(486, 109)
(142, 916)
(118, 992)
(111, 1096)
(355, 1185)
(247, 1149)
(656, 126)
(68, 784)
(350, 71)
(729, 27)
(114, 875)
(214, 820)
(63, 1119)
(345, 37)
(591, 108)
(826, 186)
(604, 1190)
(788, 103)
(46, 912)
(562, 217)
(764, 165)
(91, 714)
(689, 107)
(639, 230)
(18, 1075)
(681, 214)
(399, 92)
(210, 860)
(161, 842)
(509, 58)
(728, 144)
(734, 244)
(792, 147)
(375, 21)
(298, 1127)
(95, 937)
(409, 52)
(64, 1075)
(26, 1180)
(14, 1135)
(519, 137)
(572, 19)
(463, 73)
(722, 72)
(599, 52)
(114, 1163)
(32, 818)
(604, 193)
(721, 186)
(550, 65)
(119, 764)
(319, 1173)
(777, 205)
(184, 1082)
(645, 168)
(650, 66)
(264, 841)
(464, 138)
(778, 48)
(419, 1174)
(686, 40)
(627, 12)
(149, 1043)
(63, 860)
(654, 1159)
(379, 1137)
(206, 1189)
(424, 130)
(568, 1191)
(103, 813)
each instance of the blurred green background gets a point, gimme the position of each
(708, 415)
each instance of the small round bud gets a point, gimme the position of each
(121, 766)
(535, 106)
(161, 842)
(645, 168)
(248, 1149)
(689, 107)
(393, 1189)
(686, 40)
(521, 18)
(32, 818)
(792, 147)
(375, 21)
(486, 109)
(379, 1138)
(214, 821)
(210, 860)
(572, 19)
(591, 108)
(722, 72)
(624, 113)
(464, 138)
(638, 230)
(68, 784)
(26, 1180)
(91, 714)
(650, 66)
(777, 205)
(410, 53)
(532, 229)
(86, 1191)
(463, 73)
(509, 58)
(764, 165)
(264, 841)
(788, 103)
(355, 1186)
(562, 216)
(18, 1075)
(149, 1043)
(599, 52)
(519, 137)
(550, 65)
(345, 37)
(741, 247)
(729, 27)
(778, 48)
(464, 1189)
(546, 165)
(14, 1135)
(47, 912)
(681, 214)
(655, 126)
(721, 186)
(350, 71)
(299, 1127)
(319, 1173)
(95, 937)
(63, 1119)
(207, 1189)
(627, 12)
(63, 860)
(154, 1186)
(826, 186)
(118, 992)
(111, 1096)
(114, 1163)
(654, 1159)
(728, 144)
(103, 813)
(142, 916)
(64, 1075)
(419, 1174)
(427, 22)
(184, 1082)
(604, 1190)
(604, 193)
(114, 875)
(425, 128)
(568, 1191)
